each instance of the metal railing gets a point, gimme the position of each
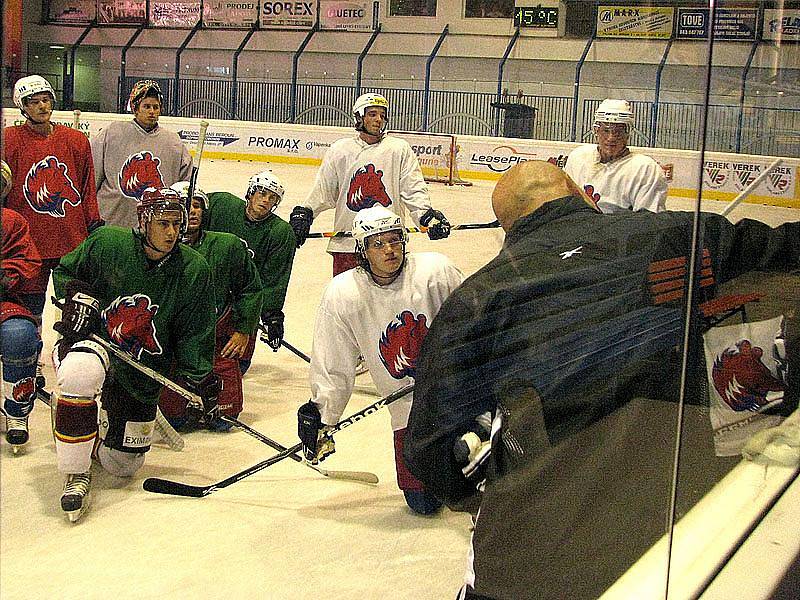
(769, 131)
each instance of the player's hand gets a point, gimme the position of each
(208, 390)
(300, 220)
(316, 437)
(272, 333)
(473, 448)
(236, 345)
(438, 226)
(80, 315)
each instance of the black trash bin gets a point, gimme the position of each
(517, 120)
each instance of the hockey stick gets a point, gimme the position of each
(161, 425)
(362, 476)
(746, 191)
(192, 398)
(344, 234)
(174, 488)
(294, 350)
(198, 157)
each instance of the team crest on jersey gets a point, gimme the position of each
(24, 390)
(48, 187)
(250, 252)
(139, 172)
(400, 344)
(741, 378)
(367, 189)
(593, 196)
(129, 323)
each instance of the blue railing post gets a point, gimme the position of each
(501, 67)
(362, 56)
(428, 63)
(68, 93)
(176, 100)
(654, 113)
(295, 61)
(235, 70)
(123, 59)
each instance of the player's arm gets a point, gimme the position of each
(415, 197)
(98, 149)
(20, 258)
(193, 332)
(751, 245)
(185, 171)
(91, 212)
(322, 197)
(246, 300)
(83, 263)
(652, 194)
(332, 376)
(275, 273)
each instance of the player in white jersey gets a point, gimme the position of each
(370, 169)
(382, 310)
(613, 176)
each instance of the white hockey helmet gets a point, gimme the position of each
(614, 111)
(182, 187)
(26, 87)
(374, 220)
(154, 201)
(363, 102)
(266, 181)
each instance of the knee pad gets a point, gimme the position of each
(19, 343)
(82, 370)
(119, 463)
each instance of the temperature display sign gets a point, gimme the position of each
(536, 16)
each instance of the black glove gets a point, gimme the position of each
(300, 220)
(80, 315)
(208, 390)
(272, 320)
(438, 229)
(316, 438)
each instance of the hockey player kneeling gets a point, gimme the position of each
(150, 296)
(380, 310)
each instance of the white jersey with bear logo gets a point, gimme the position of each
(355, 175)
(634, 182)
(385, 324)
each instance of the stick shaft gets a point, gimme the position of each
(164, 486)
(749, 189)
(341, 234)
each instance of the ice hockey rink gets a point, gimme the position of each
(283, 533)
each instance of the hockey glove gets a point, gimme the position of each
(208, 390)
(273, 323)
(300, 220)
(80, 315)
(438, 226)
(316, 437)
(473, 448)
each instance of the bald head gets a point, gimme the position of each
(529, 185)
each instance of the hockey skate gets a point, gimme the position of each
(16, 432)
(75, 498)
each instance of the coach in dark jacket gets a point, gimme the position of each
(558, 335)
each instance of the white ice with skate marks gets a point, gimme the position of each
(283, 533)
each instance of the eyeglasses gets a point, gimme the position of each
(379, 244)
(615, 129)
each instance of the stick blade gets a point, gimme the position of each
(361, 476)
(174, 488)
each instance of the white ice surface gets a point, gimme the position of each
(284, 533)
